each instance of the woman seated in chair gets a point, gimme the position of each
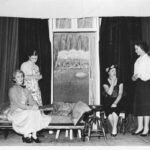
(24, 113)
(113, 93)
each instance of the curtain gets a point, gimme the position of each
(8, 55)
(34, 35)
(117, 37)
(146, 30)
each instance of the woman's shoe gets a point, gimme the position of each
(36, 140)
(146, 134)
(138, 133)
(26, 139)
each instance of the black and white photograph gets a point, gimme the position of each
(74, 73)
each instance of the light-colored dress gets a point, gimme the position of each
(24, 120)
(32, 84)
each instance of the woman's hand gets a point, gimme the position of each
(114, 105)
(38, 77)
(114, 81)
(35, 107)
(134, 77)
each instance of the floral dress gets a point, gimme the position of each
(32, 84)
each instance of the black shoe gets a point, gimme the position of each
(26, 139)
(36, 140)
(138, 133)
(146, 134)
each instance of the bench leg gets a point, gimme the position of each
(57, 134)
(71, 134)
(66, 134)
(79, 133)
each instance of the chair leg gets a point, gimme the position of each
(105, 125)
(84, 132)
(124, 126)
(103, 129)
(89, 134)
(120, 124)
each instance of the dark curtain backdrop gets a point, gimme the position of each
(117, 37)
(146, 30)
(34, 35)
(8, 55)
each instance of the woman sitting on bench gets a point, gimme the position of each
(24, 113)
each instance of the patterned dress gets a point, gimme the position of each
(25, 120)
(32, 84)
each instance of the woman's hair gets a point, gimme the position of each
(111, 67)
(143, 45)
(14, 74)
(33, 53)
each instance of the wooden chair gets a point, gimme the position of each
(94, 124)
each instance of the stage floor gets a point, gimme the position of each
(14, 139)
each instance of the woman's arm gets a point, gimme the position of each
(134, 77)
(119, 95)
(136, 71)
(15, 99)
(37, 77)
(38, 74)
(108, 90)
(28, 73)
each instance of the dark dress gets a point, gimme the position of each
(109, 100)
(142, 98)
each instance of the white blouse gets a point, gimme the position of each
(30, 69)
(142, 67)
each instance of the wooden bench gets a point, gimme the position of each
(6, 125)
(68, 127)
